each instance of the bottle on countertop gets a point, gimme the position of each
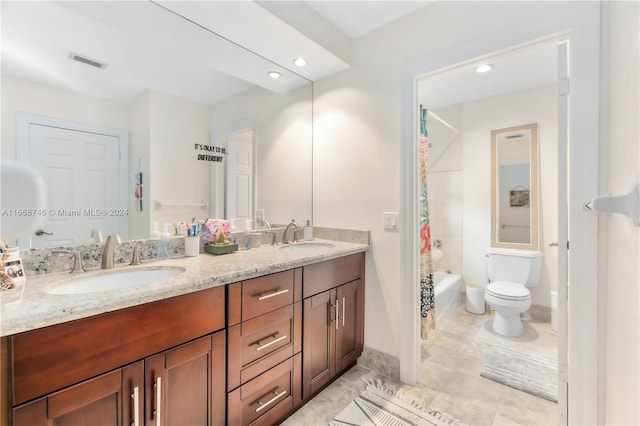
(247, 235)
(308, 231)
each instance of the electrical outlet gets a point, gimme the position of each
(260, 214)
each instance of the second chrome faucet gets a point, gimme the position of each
(286, 231)
(107, 253)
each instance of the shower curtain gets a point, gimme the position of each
(427, 302)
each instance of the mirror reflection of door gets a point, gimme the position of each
(232, 183)
(514, 187)
(82, 170)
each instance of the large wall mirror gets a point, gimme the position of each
(201, 129)
(514, 187)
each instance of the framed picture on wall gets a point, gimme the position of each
(519, 197)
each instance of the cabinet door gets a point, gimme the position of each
(319, 330)
(185, 385)
(96, 401)
(350, 315)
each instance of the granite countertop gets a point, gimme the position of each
(38, 308)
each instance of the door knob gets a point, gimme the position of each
(41, 232)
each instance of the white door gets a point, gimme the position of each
(239, 176)
(563, 231)
(82, 173)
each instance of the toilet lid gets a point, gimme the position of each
(508, 291)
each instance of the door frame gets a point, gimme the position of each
(25, 120)
(581, 25)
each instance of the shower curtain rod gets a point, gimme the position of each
(444, 123)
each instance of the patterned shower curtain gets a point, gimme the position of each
(427, 302)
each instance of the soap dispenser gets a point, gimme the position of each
(308, 231)
(165, 240)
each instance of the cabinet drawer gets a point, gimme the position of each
(262, 336)
(265, 294)
(326, 275)
(263, 342)
(268, 397)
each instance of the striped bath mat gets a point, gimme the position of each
(381, 404)
(524, 370)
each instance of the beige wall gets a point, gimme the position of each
(176, 124)
(469, 209)
(536, 105)
(19, 95)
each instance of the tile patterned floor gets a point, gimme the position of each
(450, 378)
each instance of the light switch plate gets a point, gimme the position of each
(390, 221)
(259, 214)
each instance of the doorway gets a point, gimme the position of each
(580, 25)
(464, 199)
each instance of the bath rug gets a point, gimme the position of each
(381, 404)
(523, 370)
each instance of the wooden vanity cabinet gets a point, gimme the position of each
(249, 353)
(333, 330)
(86, 372)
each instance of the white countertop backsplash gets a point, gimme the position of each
(38, 308)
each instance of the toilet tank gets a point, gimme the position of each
(513, 265)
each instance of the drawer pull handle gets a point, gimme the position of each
(263, 405)
(277, 292)
(343, 310)
(136, 406)
(273, 342)
(331, 306)
(337, 314)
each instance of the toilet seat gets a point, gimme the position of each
(508, 291)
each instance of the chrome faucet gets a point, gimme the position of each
(77, 259)
(284, 236)
(107, 253)
(266, 223)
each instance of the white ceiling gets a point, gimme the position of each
(524, 69)
(356, 18)
(184, 47)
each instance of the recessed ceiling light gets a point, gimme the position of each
(300, 62)
(273, 74)
(484, 68)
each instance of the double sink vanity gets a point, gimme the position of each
(245, 338)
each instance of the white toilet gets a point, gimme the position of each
(511, 273)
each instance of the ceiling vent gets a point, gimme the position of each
(87, 61)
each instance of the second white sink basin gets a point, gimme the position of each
(308, 246)
(116, 280)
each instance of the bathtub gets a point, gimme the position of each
(448, 295)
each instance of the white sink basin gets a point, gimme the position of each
(307, 246)
(115, 280)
